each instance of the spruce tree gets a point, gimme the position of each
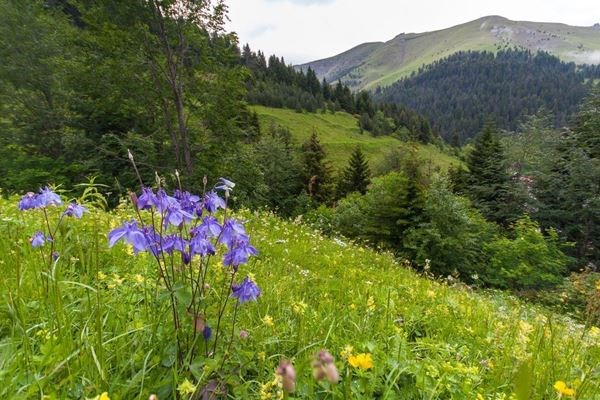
(356, 175)
(316, 171)
(489, 185)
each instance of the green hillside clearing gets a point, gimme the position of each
(339, 133)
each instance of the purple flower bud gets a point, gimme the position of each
(55, 256)
(207, 332)
(244, 334)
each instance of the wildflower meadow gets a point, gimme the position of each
(174, 295)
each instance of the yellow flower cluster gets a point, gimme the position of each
(370, 304)
(186, 388)
(271, 389)
(562, 388)
(103, 396)
(267, 320)
(347, 351)
(361, 361)
(299, 307)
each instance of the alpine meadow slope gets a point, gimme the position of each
(370, 65)
(340, 135)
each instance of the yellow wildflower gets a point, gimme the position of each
(103, 396)
(101, 276)
(370, 304)
(347, 351)
(138, 278)
(361, 361)
(186, 388)
(479, 396)
(299, 307)
(267, 320)
(598, 285)
(353, 306)
(562, 388)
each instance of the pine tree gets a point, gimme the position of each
(489, 185)
(317, 171)
(356, 175)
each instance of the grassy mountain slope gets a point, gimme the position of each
(427, 339)
(380, 64)
(340, 134)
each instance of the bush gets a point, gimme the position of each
(529, 261)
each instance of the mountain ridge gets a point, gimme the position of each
(373, 64)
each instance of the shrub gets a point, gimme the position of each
(529, 261)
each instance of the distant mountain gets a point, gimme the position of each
(382, 63)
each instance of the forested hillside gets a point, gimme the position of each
(460, 92)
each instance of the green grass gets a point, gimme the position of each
(339, 133)
(104, 324)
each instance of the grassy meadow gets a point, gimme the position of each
(97, 325)
(339, 134)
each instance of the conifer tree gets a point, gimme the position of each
(317, 171)
(489, 185)
(356, 175)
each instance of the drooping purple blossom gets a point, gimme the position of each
(163, 200)
(47, 197)
(245, 291)
(188, 202)
(75, 210)
(147, 199)
(175, 215)
(212, 202)
(173, 243)
(131, 234)
(201, 246)
(233, 233)
(38, 239)
(209, 228)
(28, 201)
(239, 255)
(44, 198)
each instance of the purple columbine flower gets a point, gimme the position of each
(212, 202)
(239, 255)
(129, 233)
(163, 201)
(28, 201)
(189, 202)
(176, 216)
(201, 246)
(233, 232)
(209, 227)
(47, 197)
(75, 210)
(173, 243)
(245, 291)
(38, 239)
(147, 199)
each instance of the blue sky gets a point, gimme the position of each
(306, 30)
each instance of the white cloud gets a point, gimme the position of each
(305, 30)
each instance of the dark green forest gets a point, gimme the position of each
(460, 92)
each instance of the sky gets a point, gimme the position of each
(307, 30)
